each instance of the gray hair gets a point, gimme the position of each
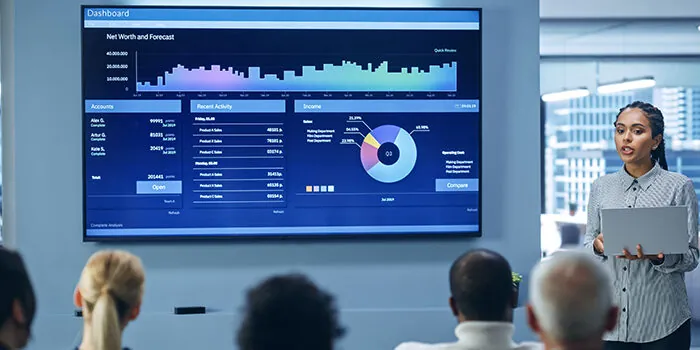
(571, 295)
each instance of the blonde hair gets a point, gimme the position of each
(111, 285)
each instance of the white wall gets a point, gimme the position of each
(389, 291)
(597, 9)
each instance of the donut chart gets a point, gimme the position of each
(388, 153)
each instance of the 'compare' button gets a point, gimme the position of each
(456, 185)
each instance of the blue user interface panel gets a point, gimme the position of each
(206, 122)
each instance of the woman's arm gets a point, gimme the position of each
(593, 221)
(688, 261)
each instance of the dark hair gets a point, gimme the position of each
(15, 285)
(289, 312)
(481, 284)
(656, 121)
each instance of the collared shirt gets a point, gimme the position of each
(652, 297)
(475, 335)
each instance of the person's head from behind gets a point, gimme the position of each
(481, 286)
(572, 209)
(289, 312)
(639, 134)
(17, 301)
(571, 301)
(110, 293)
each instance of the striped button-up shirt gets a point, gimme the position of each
(652, 297)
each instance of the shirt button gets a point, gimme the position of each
(624, 309)
(629, 206)
(624, 268)
(634, 188)
(624, 289)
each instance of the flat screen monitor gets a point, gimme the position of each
(204, 122)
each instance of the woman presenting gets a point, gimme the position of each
(649, 289)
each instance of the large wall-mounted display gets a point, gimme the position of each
(240, 122)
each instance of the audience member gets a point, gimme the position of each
(571, 302)
(17, 301)
(483, 298)
(289, 312)
(110, 293)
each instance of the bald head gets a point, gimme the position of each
(481, 285)
(571, 298)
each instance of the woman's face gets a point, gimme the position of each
(633, 138)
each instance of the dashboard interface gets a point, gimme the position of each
(280, 122)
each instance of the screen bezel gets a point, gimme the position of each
(284, 237)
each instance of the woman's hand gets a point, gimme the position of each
(598, 244)
(640, 255)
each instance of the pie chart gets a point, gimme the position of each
(388, 153)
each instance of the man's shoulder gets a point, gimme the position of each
(425, 346)
(530, 346)
(455, 346)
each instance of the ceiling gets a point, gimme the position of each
(619, 9)
(627, 37)
(615, 28)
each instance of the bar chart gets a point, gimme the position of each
(343, 76)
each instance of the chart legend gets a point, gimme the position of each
(346, 76)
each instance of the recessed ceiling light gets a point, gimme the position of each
(698, 28)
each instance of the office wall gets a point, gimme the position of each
(560, 74)
(389, 291)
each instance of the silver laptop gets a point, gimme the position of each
(660, 229)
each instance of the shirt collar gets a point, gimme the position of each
(644, 181)
(477, 334)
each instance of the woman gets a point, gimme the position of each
(17, 301)
(649, 289)
(109, 292)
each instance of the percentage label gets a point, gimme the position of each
(352, 129)
(354, 118)
(347, 141)
(422, 127)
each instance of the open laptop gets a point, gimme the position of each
(660, 229)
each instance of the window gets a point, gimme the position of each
(591, 147)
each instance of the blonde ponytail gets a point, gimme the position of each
(111, 288)
(106, 329)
